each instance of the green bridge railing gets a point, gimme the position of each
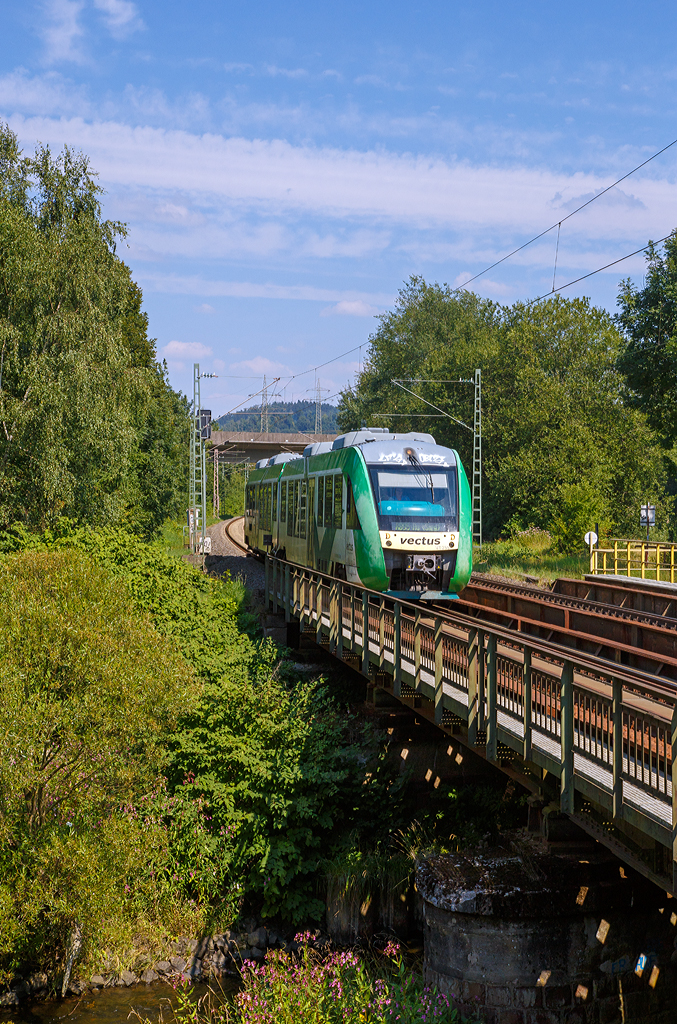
(608, 733)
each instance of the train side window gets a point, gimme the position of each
(328, 499)
(302, 510)
(352, 520)
(274, 502)
(290, 508)
(320, 501)
(283, 501)
(338, 501)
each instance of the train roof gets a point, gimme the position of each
(378, 446)
(381, 447)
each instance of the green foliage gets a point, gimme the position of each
(264, 776)
(91, 429)
(90, 692)
(554, 413)
(232, 486)
(648, 319)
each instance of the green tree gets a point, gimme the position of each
(648, 320)
(89, 427)
(560, 445)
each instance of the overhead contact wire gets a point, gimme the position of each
(569, 215)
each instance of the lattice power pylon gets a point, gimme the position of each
(264, 407)
(318, 408)
(197, 498)
(216, 500)
(477, 463)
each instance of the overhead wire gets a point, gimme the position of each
(558, 224)
(598, 271)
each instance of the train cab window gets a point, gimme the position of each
(352, 519)
(338, 501)
(328, 499)
(320, 501)
(302, 510)
(283, 501)
(416, 498)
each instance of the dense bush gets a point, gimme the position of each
(91, 690)
(155, 760)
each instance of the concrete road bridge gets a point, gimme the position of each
(236, 447)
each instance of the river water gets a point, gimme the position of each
(109, 1006)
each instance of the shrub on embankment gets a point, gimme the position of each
(157, 763)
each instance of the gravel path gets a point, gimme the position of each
(225, 557)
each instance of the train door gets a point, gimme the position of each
(312, 524)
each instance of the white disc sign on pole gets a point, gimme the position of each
(591, 538)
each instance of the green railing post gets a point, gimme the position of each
(473, 690)
(417, 649)
(274, 574)
(526, 703)
(439, 666)
(267, 577)
(365, 633)
(397, 651)
(339, 619)
(481, 683)
(492, 709)
(567, 738)
(319, 595)
(332, 616)
(617, 764)
(353, 592)
(381, 633)
(287, 609)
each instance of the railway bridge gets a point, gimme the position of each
(573, 713)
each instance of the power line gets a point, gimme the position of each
(598, 271)
(572, 214)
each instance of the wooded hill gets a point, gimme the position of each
(295, 417)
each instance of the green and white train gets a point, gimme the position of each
(391, 512)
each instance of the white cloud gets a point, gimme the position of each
(186, 348)
(357, 307)
(121, 16)
(50, 93)
(62, 31)
(286, 72)
(205, 308)
(274, 178)
(262, 365)
(174, 284)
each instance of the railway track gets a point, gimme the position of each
(618, 629)
(228, 529)
(632, 627)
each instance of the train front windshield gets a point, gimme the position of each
(412, 498)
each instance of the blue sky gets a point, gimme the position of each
(284, 167)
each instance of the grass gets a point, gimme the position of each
(532, 554)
